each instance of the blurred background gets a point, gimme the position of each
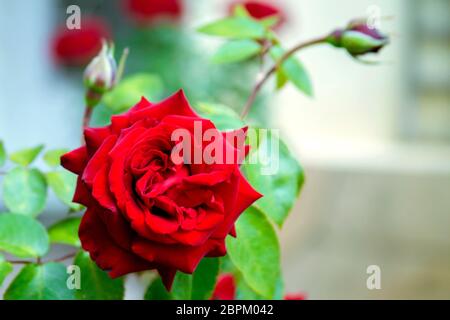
(374, 141)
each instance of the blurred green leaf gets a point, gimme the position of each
(52, 157)
(240, 11)
(95, 283)
(198, 286)
(130, 90)
(63, 184)
(223, 117)
(245, 292)
(276, 174)
(40, 282)
(270, 22)
(65, 232)
(235, 27)
(22, 236)
(204, 278)
(281, 79)
(237, 50)
(256, 252)
(157, 291)
(26, 156)
(2, 154)
(5, 269)
(25, 191)
(294, 70)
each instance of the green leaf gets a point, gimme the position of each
(2, 154)
(276, 174)
(130, 90)
(40, 282)
(281, 79)
(182, 286)
(95, 283)
(237, 50)
(25, 191)
(5, 269)
(294, 70)
(223, 117)
(157, 291)
(63, 184)
(270, 22)
(26, 156)
(235, 27)
(241, 11)
(65, 232)
(256, 252)
(245, 292)
(198, 286)
(22, 236)
(52, 157)
(205, 278)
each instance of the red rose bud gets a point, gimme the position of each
(147, 211)
(100, 74)
(260, 10)
(145, 12)
(358, 39)
(77, 47)
(225, 288)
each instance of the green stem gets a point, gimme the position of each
(271, 71)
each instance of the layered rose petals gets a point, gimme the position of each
(144, 211)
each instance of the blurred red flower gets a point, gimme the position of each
(261, 9)
(226, 290)
(145, 12)
(77, 47)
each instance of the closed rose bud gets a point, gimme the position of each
(358, 39)
(100, 74)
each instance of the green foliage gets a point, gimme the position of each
(22, 236)
(2, 154)
(40, 282)
(198, 286)
(223, 117)
(63, 184)
(25, 191)
(256, 252)
(293, 70)
(276, 175)
(157, 291)
(205, 278)
(65, 232)
(26, 156)
(130, 90)
(235, 27)
(5, 269)
(237, 50)
(52, 157)
(95, 283)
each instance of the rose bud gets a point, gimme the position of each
(76, 47)
(260, 10)
(358, 39)
(145, 208)
(100, 74)
(225, 288)
(145, 12)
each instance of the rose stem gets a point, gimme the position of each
(39, 261)
(272, 70)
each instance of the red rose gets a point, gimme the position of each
(147, 11)
(76, 47)
(261, 9)
(146, 211)
(226, 290)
